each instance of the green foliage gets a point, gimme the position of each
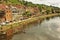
(12, 2)
(40, 6)
(47, 11)
(28, 14)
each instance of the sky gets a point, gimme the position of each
(46, 2)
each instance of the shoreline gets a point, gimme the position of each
(27, 21)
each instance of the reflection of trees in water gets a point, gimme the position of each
(41, 31)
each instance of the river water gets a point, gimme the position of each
(47, 30)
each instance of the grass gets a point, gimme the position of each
(13, 2)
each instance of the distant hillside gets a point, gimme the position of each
(42, 7)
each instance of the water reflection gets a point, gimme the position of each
(47, 30)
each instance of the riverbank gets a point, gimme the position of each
(10, 29)
(26, 22)
(47, 30)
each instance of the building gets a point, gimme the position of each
(17, 11)
(21, 9)
(6, 13)
(33, 10)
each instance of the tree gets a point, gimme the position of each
(27, 14)
(47, 11)
(40, 7)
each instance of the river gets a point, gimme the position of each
(47, 30)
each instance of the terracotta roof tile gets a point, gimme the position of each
(3, 7)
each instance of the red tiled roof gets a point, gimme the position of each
(17, 6)
(2, 7)
(20, 6)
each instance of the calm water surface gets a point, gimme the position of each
(47, 30)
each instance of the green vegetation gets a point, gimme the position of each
(13, 1)
(42, 8)
(27, 14)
